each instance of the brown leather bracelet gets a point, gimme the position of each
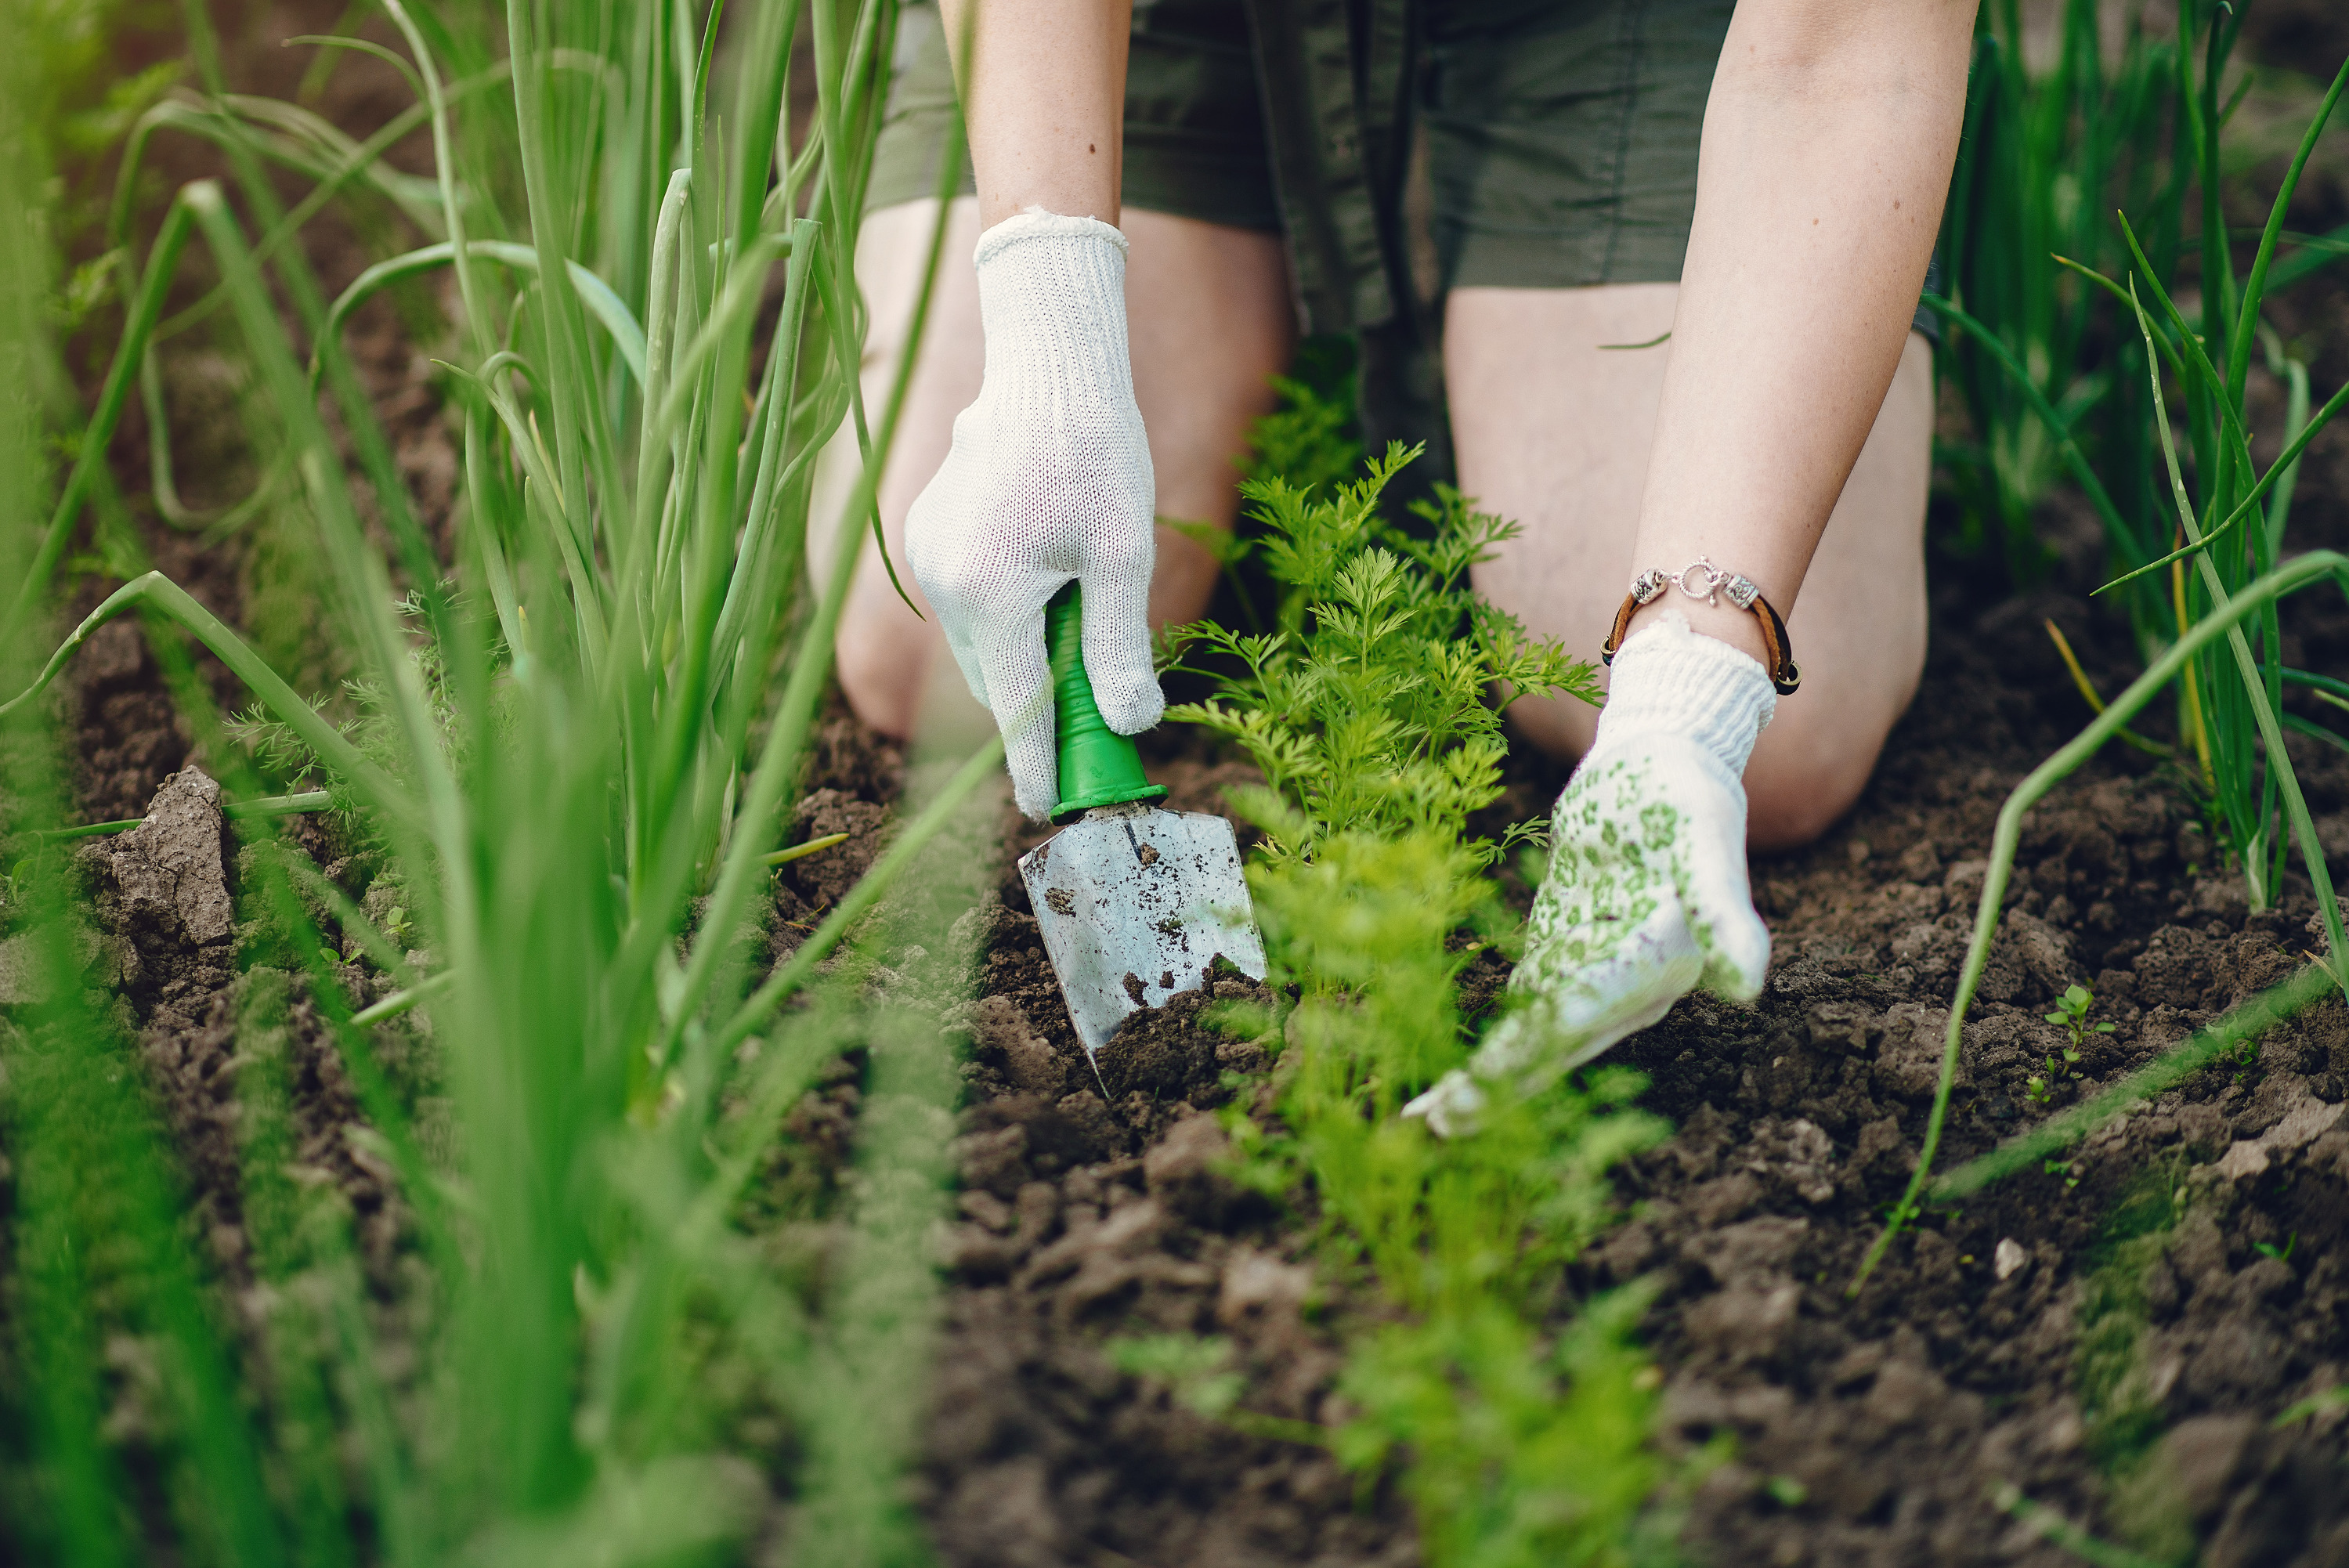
(1650, 585)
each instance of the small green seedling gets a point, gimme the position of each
(2072, 1010)
(1196, 1370)
(2242, 1055)
(2040, 1087)
(2282, 1254)
(2060, 1168)
(2315, 1405)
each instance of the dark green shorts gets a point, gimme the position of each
(1402, 148)
(1561, 135)
(1195, 142)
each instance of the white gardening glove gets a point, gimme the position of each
(1048, 479)
(1647, 894)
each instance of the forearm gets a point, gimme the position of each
(1042, 84)
(1828, 141)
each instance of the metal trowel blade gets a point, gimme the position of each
(1134, 903)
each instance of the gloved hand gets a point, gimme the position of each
(1647, 894)
(1049, 478)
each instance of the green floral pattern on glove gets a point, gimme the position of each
(1648, 895)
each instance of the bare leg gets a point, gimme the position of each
(1208, 321)
(1556, 431)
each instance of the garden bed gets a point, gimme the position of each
(2169, 1287)
(1874, 1430)
(1877, 1430)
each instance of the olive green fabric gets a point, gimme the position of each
(1561, 134)
(1562, 138)
(1194, 141)
(1559, 139)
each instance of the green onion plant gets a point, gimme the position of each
(2328, 975)
(2050, 388)
(2023, 313)
(575, 757)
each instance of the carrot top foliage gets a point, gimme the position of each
(1369, 706)
(1366, 707)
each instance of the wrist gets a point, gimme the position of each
(1034, 226)
(1052, 302)
(1723, 623)
(1671, 681)
(1702, 583)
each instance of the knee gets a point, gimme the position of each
(1791, 806)
(1183, 580)
(1801, 786)
(881, 675)
(1560, 726)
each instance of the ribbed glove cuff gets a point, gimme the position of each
(1051, 300)
(1035, 223)
(1672, 680)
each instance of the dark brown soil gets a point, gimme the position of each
(1081, 1220)
(1961, 1367)
(1894, 1418)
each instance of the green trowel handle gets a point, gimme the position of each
(1099, 766)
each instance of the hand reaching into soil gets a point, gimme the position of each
(1647, 894)
(1049, 479)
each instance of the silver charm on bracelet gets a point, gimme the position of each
(1700, 579)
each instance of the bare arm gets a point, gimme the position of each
(1828, 141)
(1042, 84)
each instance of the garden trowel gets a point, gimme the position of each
(1134, 902)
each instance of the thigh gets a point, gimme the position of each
(1210, 324)
(1858, 626)
(1554, 429)
(891, 656)
(1552, 421)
